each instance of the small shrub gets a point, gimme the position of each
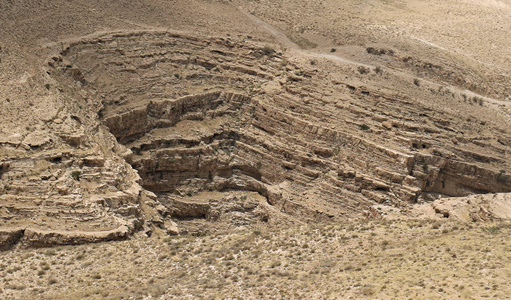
(333, 50)
(478, 100)
(275, 264)
(267, 50)
(364, 127)
(491, 229)
(363, 70)
(177, 75)
(416, 82)
(162, 257)
(374, 51)
(47, 86)
(368, 290)
(50, 252)
(199, 234)
(406, 59)
(76, 175)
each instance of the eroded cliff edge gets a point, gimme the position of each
(161, 125)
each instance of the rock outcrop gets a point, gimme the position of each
(159, 125)
(475, 208)
(212, 114)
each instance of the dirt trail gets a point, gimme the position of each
(279, 36)
(285, 41)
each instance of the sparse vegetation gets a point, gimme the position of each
(491, 229)
(302, 262)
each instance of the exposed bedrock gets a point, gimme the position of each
(455, 178)
(56, 198)
(211, 114)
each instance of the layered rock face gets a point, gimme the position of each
(71, 188)
(158, 125)
(299, 111)
(315, 139)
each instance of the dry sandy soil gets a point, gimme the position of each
(256, 149)
(362, 260)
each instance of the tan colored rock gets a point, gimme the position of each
(171, 228)
(37, 139)
(309, 132)
(490, 207)
(43, 238)
(387, 124)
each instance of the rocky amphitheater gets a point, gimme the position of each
(195, 124)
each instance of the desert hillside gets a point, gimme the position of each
(169, 126)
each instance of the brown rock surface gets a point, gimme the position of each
(117, 123)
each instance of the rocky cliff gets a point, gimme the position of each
(213, 114)
(156, 126)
